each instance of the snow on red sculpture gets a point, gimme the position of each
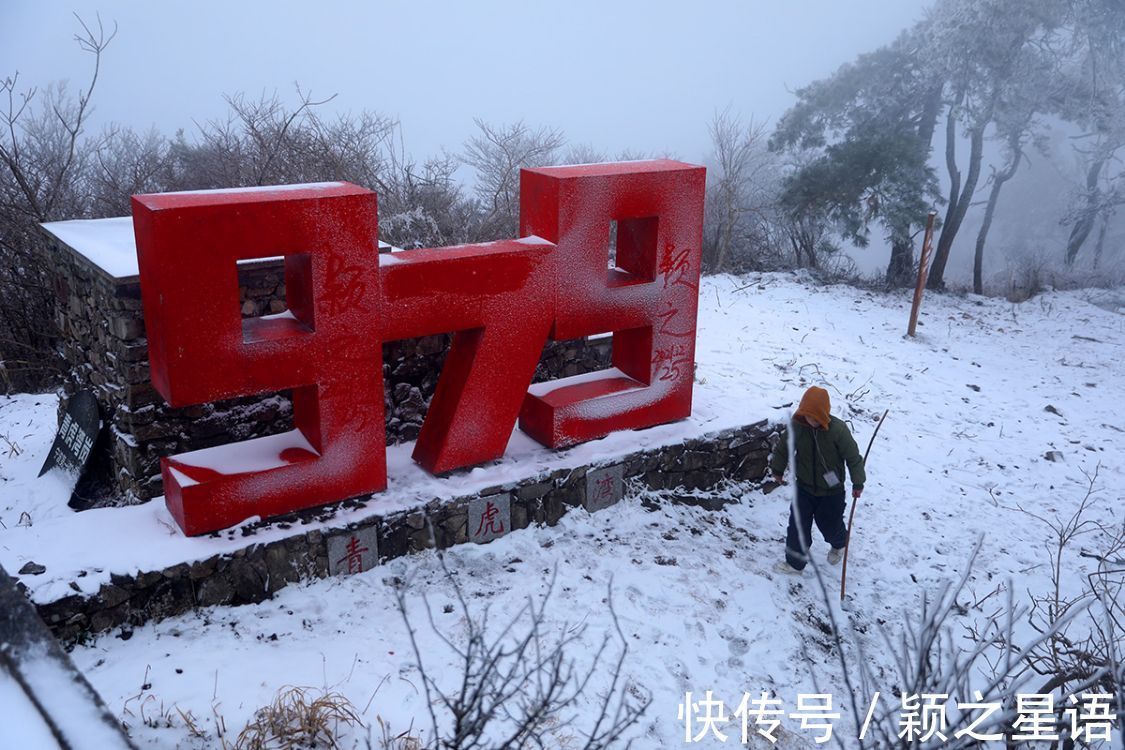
(501, 301)
(647, 298)
(325, 348)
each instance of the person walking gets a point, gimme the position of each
(823, 446)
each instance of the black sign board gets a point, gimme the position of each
(77, 433)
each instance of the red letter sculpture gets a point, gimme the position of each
(648, 299)
(500, 300)
(326, 348)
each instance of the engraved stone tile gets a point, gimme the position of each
(490, 517)
(353, 551)
(605, 485)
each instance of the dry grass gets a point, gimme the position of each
(13, 449)
(299, 718)
(388, 740)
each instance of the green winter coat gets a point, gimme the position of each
(820, 451)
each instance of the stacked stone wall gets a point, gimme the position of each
(255, 572)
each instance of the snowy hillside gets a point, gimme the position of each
(976, 403)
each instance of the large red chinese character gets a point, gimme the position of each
(603, 490)
(490, 522)
(328, 346)
(648, 299)
(500, 300)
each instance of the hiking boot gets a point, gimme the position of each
(787, 569)
(835, 555)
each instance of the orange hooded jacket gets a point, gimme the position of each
(820, 451)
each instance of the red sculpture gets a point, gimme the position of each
(501, 300)
(648, 298)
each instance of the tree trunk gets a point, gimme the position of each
(804, 246)
(998, 180)
(927, 123)
(1085, 221)
(710, 245)
(727, 234)
(959, 201)
(1101, 239)
(901, 268)
(798, 252)
(952, 169)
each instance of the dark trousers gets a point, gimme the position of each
(827, 512)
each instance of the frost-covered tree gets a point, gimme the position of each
(424, 205)
(1092, 96)
(267, 141)
(982, 50)
(1017, 123)
(126, 163)
(865, 135)
(743, 181)
(496, 154)
(984, 69)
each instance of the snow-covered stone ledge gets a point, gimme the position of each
(125, 566)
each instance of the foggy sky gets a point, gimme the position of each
(645, 76)
(642, 76)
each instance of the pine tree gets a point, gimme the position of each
(866, 133)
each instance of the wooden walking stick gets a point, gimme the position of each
(855, 502)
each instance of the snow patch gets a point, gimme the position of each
(260, 189)
(693, 589)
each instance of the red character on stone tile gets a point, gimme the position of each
(490, 521)
(603, 489)
(354, 555)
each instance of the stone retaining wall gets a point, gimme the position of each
(103, 343)
(255, 572)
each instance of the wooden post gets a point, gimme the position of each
(923, 272)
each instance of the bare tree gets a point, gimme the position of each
(808, 236)
(497, 153)
(984, 666)
(1084, 653)
(264, 141)
(962, 647)
(742, 192)
(519, 686)
(423, 205)
(126, 163)
(584, 153)
(42, 163)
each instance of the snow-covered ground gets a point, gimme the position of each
(976, 401)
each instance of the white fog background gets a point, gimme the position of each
(641, 76)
